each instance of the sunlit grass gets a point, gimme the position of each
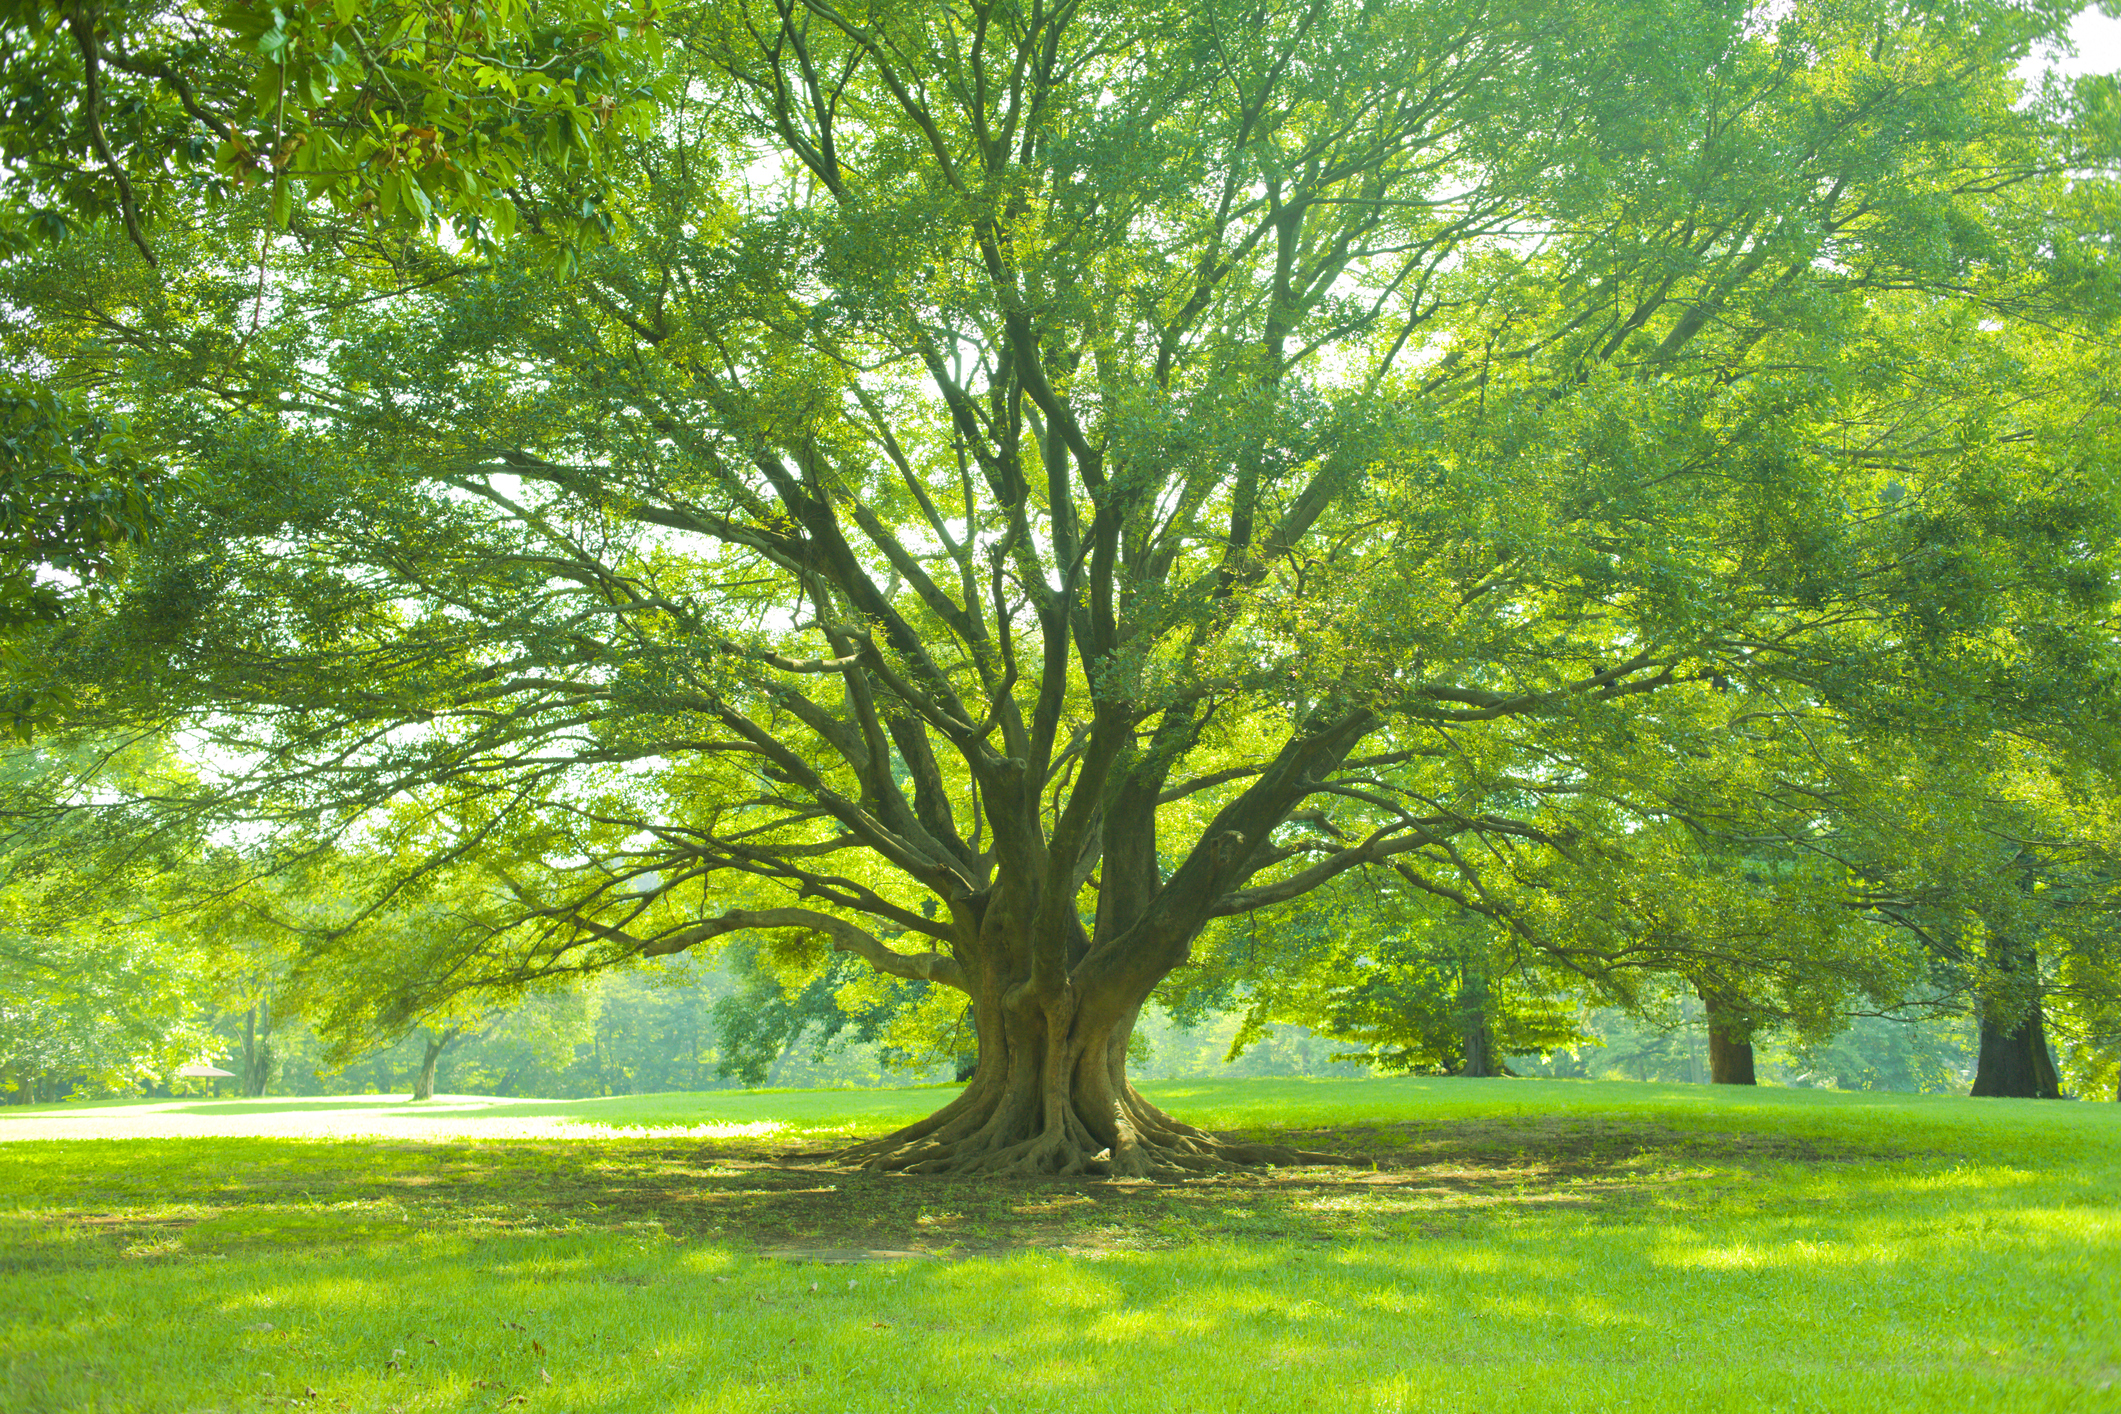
(1907, 1253)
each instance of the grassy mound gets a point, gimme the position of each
(1519, 1244)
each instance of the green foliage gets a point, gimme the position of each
(402, 113)
(1415, 983)
(766, 1018)
(99, 1009)
(99, 978)
(73, 498)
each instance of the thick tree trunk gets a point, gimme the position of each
(1730, 1041)
(1730, 1061)
(1050, 1098)
(2015, 1061)
(1479, 1042)
(1480, 1050)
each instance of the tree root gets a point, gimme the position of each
(1072, 1151)
(997, 1128)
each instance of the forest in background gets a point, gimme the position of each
(690, 1025)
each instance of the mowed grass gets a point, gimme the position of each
(1500, 1245)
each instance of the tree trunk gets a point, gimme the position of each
(2015, 1062)
(1730, 1040)
(424, 1087)
(1479, 1036)
(257, 1050)
(967, 1064)
(1481, 1059)
(1052, 1097)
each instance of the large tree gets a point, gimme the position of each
(1039, 479)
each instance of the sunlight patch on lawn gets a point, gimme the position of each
(593, 1129)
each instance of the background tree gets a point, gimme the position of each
(1413, 983)
(100, 981)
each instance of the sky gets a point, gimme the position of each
(2098, 40)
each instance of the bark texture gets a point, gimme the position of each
(424, 1087)
(2015, 1062)
(1474, 1002)
(1050, 1095)
(1730, 1061)
(1730, 1040)
(257, 1049)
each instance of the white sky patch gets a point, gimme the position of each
(2095, 35)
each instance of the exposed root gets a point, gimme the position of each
(1062, 1115)
(1165, 1150)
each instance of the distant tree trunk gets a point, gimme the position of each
(424, 1087)
(2014, 1057)
(257, 1049)
(1478, 1034)
(1730, 1040)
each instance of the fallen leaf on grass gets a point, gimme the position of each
(513, 1399)
(880, 1325)
(537, 1350)
(721, 1278)
(544, 1375)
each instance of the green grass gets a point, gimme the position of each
(1519, 1245)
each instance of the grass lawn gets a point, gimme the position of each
(1502, 1245)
